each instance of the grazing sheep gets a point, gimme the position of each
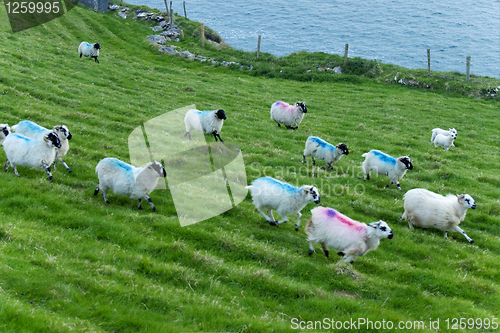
(437, 131)
(316, 147)
(4, 131)
(35, 131)
(125, 179)
(386, 165)
(445, 141)
(286, 199)
(36, 153)
(288, 115)
(427, 209)
(89, 50)
(209, 122)
(349, 237)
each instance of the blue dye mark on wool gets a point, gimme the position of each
(384, 158)
(22, 137)
(122, 165)
(203, 114)
(276, 183)
(322, 143)
(331, 212)
(29, 126)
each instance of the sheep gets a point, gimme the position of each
(316, 147)
(35, 131)
(386, 165)
(4, 131)
(89, 50)
(427, 209)
(445, 141)
(209, 122)
(351, 238)
(288, 115)
(286, 199)
(125, 179)
(437, 131)
(36, 153)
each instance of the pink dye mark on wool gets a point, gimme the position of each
(350, 223)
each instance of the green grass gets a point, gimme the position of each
(71, 263)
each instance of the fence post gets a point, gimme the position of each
(182, 34)
(171, 14)
(467, 69)
(345, 53)
(184, 5)
(258, 46)
(166, 6)
(428, 61)
(202, 34)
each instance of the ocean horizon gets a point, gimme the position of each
(391, 32)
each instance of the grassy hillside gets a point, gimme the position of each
(71, 263)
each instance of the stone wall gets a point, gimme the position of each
(97, 5)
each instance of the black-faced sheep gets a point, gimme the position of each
(386, 165)
(316, 147)
(209, 122)
(89, 50)
(288, 115)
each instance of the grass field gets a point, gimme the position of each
(71, 263)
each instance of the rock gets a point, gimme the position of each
(113, 7)
(176, 40)
(137, 11)
(187, 54)
(168, 49)
(157, 28)
(122, 15)
(163, 23)
(160, 18)
(142, 15)
(337, 70)
(158, 39)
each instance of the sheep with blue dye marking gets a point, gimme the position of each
(437, 131)
(35, 153)
(89, 50)
(209, 122)
(386, 165)
(32, 130)
(444, 141)
(125, 179)
(319, 148)
(351, 238)
(4, 131)
(427, 209)
(289, 115)
(269, 193)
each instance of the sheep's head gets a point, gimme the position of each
(454, 131)
(97, 46)
(467, 201)
(52, 140)
(382, 230)
(156, 166)
(302, 106)
(342, 146)
(62, 131)
(407, 162)
(5, 129)
(312, 194)
(220, 114)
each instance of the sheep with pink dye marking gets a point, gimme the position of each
(288, 115)
(351, 238)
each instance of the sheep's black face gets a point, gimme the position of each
(302, 105)
(343, 147)
(97, 46)
(159, 168)
(220, 114)
(407, 162)
(54, 139)
(313, 194)
(5, 130)
(382, 229)
(467, 201)
(64, 131)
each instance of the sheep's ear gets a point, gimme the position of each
(306, 190)
(46, 138)
(461, 198)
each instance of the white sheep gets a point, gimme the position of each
(4, 131)
(125, 179)
(437, 131)
(288, 115)
(316, 147)
(427, 209)
(269, 193)
(445, 141)
(386, 165)
(209, 122)
(35, 153)
(351, 238)
(89, 50)
(33, 130)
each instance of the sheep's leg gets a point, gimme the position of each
(270, 213)
(399, 187)
(47, 171)
(314, 161)
(268, 219)
(103, 195)
(402, 217)
(298, 221)
(279, 125)
(311, 248)
(349, 258)
(470, 240)
(188, 134)
(139, 206)
(325, 250)
(150, 203)
(7, 163)
(81, 55)
(304, 156)
(64, 163)
(96, 190)
(15, 169)
(410, 225)
(216, 135)
(446, 234)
